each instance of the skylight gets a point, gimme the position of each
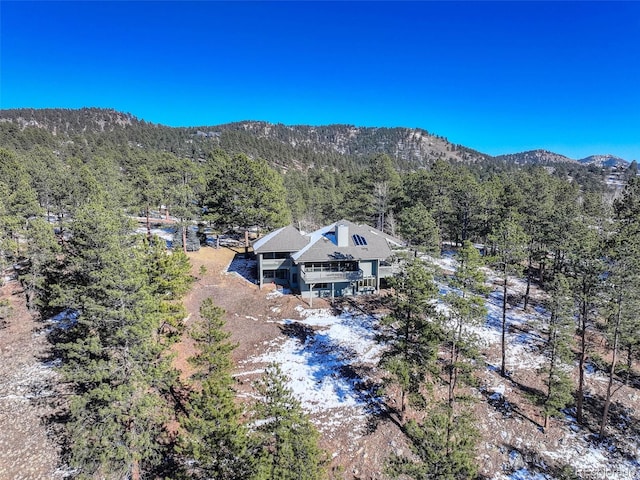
(359, 240)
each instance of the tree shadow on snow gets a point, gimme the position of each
(339, 365)
(528, 462)
(508, 409)
(622, 434)
(244, 266)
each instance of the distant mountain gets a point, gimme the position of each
(412, 147)
(606, 161)
(535, 157)
(284, 146)
(297, 146)
(63, 121)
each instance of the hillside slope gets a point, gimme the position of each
(285, 146)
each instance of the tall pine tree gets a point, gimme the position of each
(287, 441)
(215, 439)
(558, 349)
(412, 333)
(509, 241)
(116, 368)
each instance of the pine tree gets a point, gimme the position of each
(466, 202)
(20, 201)
(246, 192)
(558, 349)
(509, 241)
(585, 269)
(215, 438)
(623, 286)
(441, 450)
(116, 367)
(465, 308)
(385, 180)
(287, 441)
(412, 333)
(418, 228)
(42, 252)
(5, 239)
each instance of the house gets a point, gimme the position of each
(340, 259)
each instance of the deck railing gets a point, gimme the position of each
(329, 276)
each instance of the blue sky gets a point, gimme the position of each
(500, 77)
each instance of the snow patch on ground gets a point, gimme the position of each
(328, 359)
(244, 268)
(166, 233)
(524, 341)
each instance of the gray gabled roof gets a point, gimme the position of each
(322, 246)
(285, 239)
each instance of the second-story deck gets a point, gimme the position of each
(328, 275)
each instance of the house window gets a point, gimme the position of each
(367, 283)
(269, 274)
(275, 255)
(332, 267)
(294, 278)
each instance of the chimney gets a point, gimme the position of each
(342, 235)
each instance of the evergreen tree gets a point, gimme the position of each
(465, 308)
(246, 192)
(536, 184)
(509, 240)
(186, 182)
(466, 203)
(42, 252)
(558, 350)
(5, 239)
(148, 191)
(418, 227)
(623, 286)
(385, 180)
(169, 279)
(441, 450)
(412, 333)
(585, 268)
(215, 439)
(117, 369)
(20, 201)
(287, 441)
(438, 198)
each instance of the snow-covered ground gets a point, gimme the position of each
(328, 359)
(166, 233)
(244, 268)
(524, 339)
(331, 360)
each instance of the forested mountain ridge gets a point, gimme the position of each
(545, 157)
(284, 146)
(536, 157)
(411, 147)
(605, 161)
(298, 146)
